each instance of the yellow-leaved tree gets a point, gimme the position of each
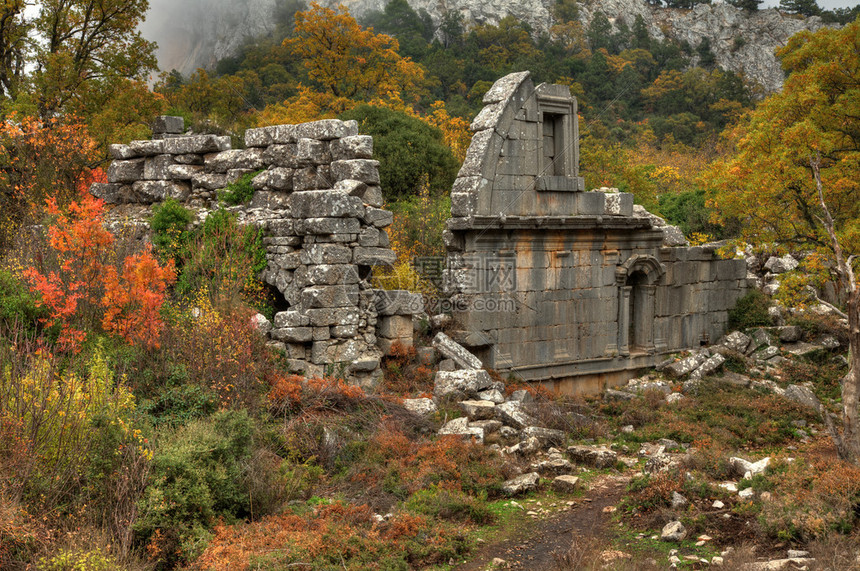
(346, 65)
(794, 177)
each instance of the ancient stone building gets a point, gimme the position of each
(555, 284)
(317, 199)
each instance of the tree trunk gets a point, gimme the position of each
(848, 442)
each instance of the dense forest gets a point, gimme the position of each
(144, 421)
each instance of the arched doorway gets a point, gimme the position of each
(637, 279)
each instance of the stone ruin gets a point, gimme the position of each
(550, 283)
(545, 281)
(318, 200)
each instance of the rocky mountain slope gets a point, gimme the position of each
(197, 33)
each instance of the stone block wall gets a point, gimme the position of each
(554, 284)
(318, 199)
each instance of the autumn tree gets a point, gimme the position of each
(345, 60)
(795, 176)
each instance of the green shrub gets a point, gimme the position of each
(449, 503)
(169, 225)
(198, 475)
(19, 309)
(224, 259)
(750, 311)
(177, 405)
(409, 151)
(239, 192)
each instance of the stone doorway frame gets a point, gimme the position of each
(637, 302)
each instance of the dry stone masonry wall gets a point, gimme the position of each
(551, 283)
(318, 199)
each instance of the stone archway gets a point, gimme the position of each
(637, 280)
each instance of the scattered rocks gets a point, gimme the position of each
(674, 531)
(460, 384)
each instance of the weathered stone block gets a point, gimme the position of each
(330, 296)
(121, 152)
(317, 254)
(397, 302)
(209, 181)
(514, 414)
(157, 167)
(189, 159)
(378, 217)
(327, 129)
(355, 147)
(505, 87)
(250, 159)
(422, 406)
(148, 191)
(373, 256)
(333, 316)
(125, 171)
(565, 484)
(326, 204)
(364, 170)
(460, 384)
(293, 334)
(111, 193)
(182, 171)
(460, 427)
(312, 152)
(328, 226)
(291, 318)
(394, 327)
(282, 156)
(276, 178)
(331, 274)
(596, 457)
(478, 409)
(453, 350)
(521, 484)
(147, 148)
(197, 144)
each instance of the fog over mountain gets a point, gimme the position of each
(197, 33)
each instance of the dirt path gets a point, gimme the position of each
(534, 545)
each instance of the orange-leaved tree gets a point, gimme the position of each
(346, 64)
(38, 160)
(795, 176)
(78, 281)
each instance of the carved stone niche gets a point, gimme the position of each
(558, 156)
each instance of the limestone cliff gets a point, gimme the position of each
(197, 33)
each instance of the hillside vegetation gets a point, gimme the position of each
(145, 423)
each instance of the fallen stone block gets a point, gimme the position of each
(565, 484)
(460, 427)
(736, 341)
(521, 484)
(596, 457)
(453, 350)
(478, 409)
(686, 365)
(458, 384)
(709, 367)
(514, 414)
(546, 436)
(422, 406)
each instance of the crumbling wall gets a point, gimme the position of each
(552, 283)
(318, 199)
